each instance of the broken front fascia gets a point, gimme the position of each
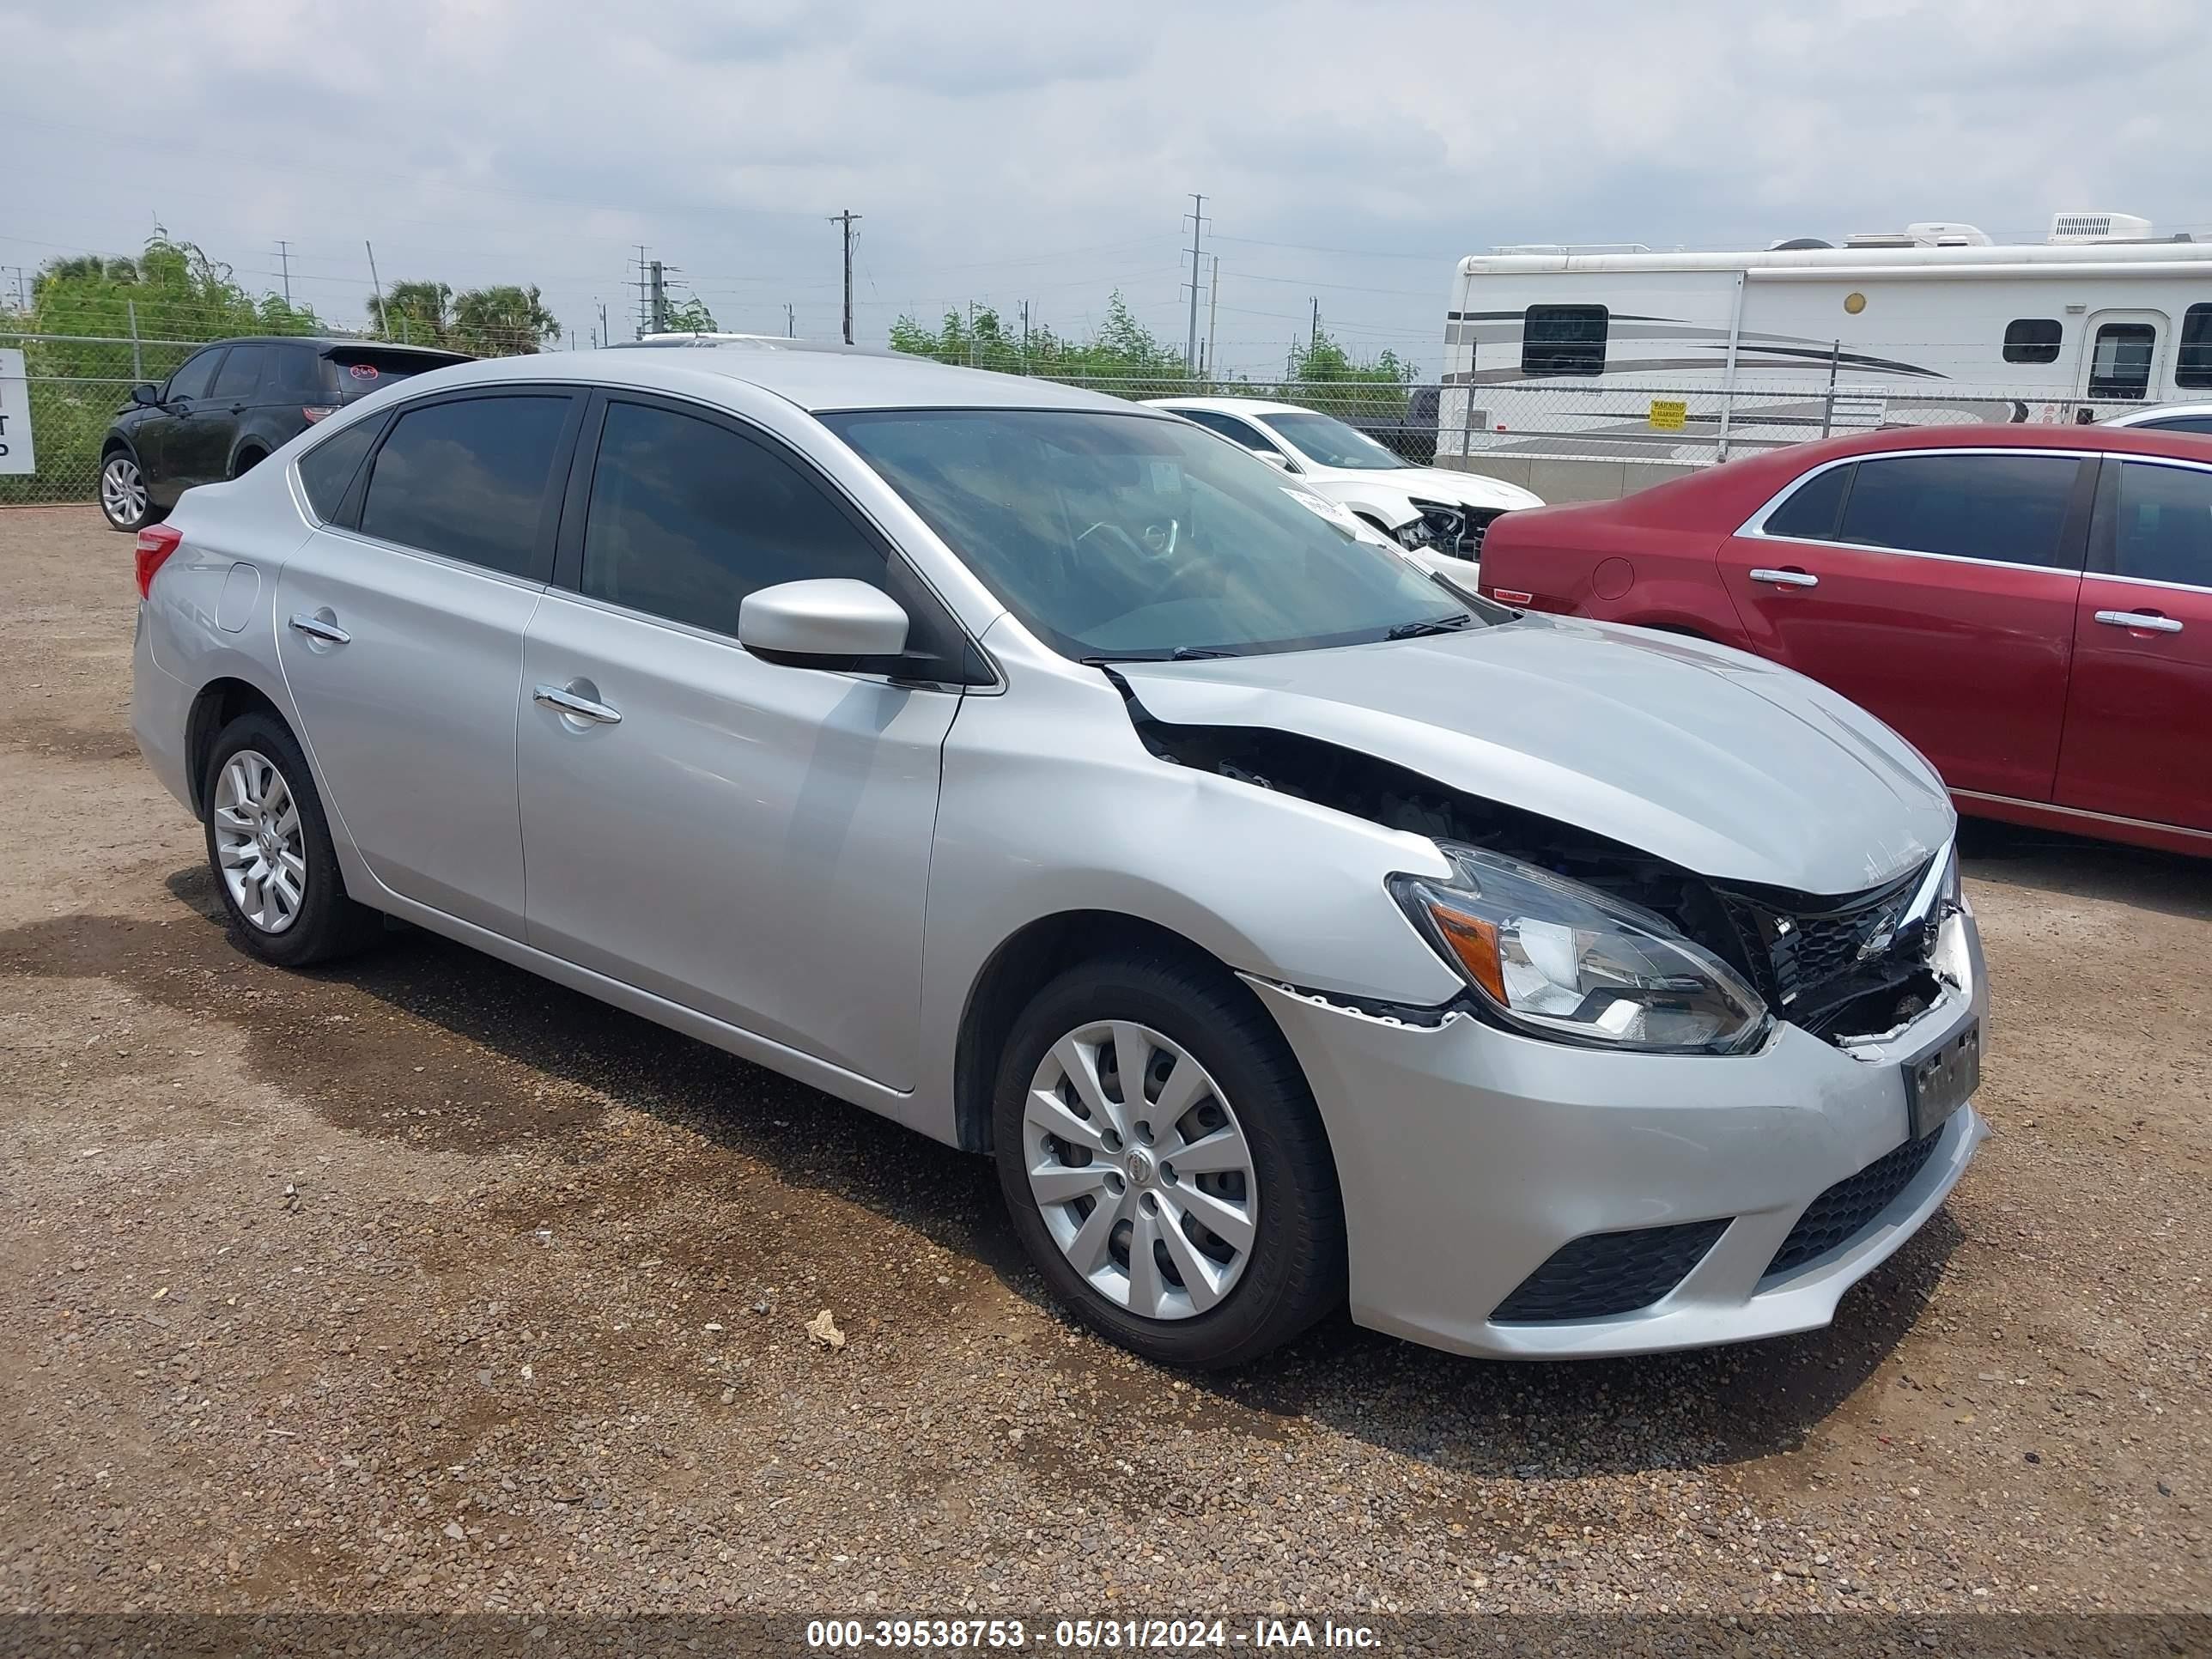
(1881, 987)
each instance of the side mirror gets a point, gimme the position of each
(148, 395)
(1275, 458)
(826, 622)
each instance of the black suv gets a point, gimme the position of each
(228, 406)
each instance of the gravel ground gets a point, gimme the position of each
(420, 1285)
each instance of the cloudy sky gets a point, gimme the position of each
(1002, 151)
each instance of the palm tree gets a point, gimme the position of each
(503, 321)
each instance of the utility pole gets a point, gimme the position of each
(605, 339)
(1212, 320)
(659, 298)
(284, 257)
(383, 322)
(1197, 221)
(644, 286)
(848, 219)
(790, 322)
(1313, 339)
(1025, 336)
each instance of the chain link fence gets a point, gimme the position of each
(77, 384)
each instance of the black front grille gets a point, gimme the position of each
(1850, 1208)
(1604, 1274)
(1815, 958)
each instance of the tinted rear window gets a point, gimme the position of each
(2005, 508)
(351, 372)
(328, 468)
(467, 479)
(1811, 513)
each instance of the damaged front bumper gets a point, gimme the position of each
(1479, 1166)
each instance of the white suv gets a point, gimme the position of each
(1426, 508)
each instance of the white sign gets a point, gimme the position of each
(15, 416)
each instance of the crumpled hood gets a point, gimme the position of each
(1717, 761)
(1433, 484)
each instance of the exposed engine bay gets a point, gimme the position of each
(1842, 968)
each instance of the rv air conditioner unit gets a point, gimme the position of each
(2098, 227)
(1928, 232)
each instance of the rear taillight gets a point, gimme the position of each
(155, 543)
(315, 413)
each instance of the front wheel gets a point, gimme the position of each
(124, 500)
(1165, 1165)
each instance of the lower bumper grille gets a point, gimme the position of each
(1601, 1274)
(1848, 1208)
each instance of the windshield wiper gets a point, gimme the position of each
(1414, 630)
(1180, 653)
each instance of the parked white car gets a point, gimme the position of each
(2166, 417)
(1426, 508)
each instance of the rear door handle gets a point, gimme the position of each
(579, 707)
(2150, 621)
(317, 627)
(1786, 578)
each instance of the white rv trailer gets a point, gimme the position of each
(1632, 355)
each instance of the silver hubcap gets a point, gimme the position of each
(259, 841)
(1140, 1169)
(122, 491)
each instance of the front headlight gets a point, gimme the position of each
(1561, 960)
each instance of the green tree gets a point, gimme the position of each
(418, 313)
(688, 316)
(114, 321)
(1323, 375)
(503, 321)
(1121, 351)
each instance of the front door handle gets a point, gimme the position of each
(320, 627)
(577, 706)
(1786, 578)
(2150, 621)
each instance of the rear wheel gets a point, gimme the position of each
(124, 501)
(1163, 1163)
(269, 846)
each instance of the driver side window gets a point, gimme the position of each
(196, 376)
(1237, 431)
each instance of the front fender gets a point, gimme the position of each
(1050, 803)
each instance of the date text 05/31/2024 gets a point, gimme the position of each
(1166, 1634)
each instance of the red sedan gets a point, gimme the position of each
(2031, 606)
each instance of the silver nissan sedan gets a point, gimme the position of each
(1044, 772)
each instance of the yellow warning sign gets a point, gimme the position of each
(1668, 415)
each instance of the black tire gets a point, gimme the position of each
(327, 923)
(128, 522)
(246, 461)
(1296, 1270)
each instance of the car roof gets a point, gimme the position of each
(339, 342)
(1230, 405)
(816, 380)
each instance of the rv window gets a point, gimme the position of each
(2192, 363)
(2032, 340)
(2120, 362)
(1810, 514)
(1562, 340)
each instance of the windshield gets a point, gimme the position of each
(1331, 442)
(1144, 537)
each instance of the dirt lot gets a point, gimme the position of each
(421, 1284)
